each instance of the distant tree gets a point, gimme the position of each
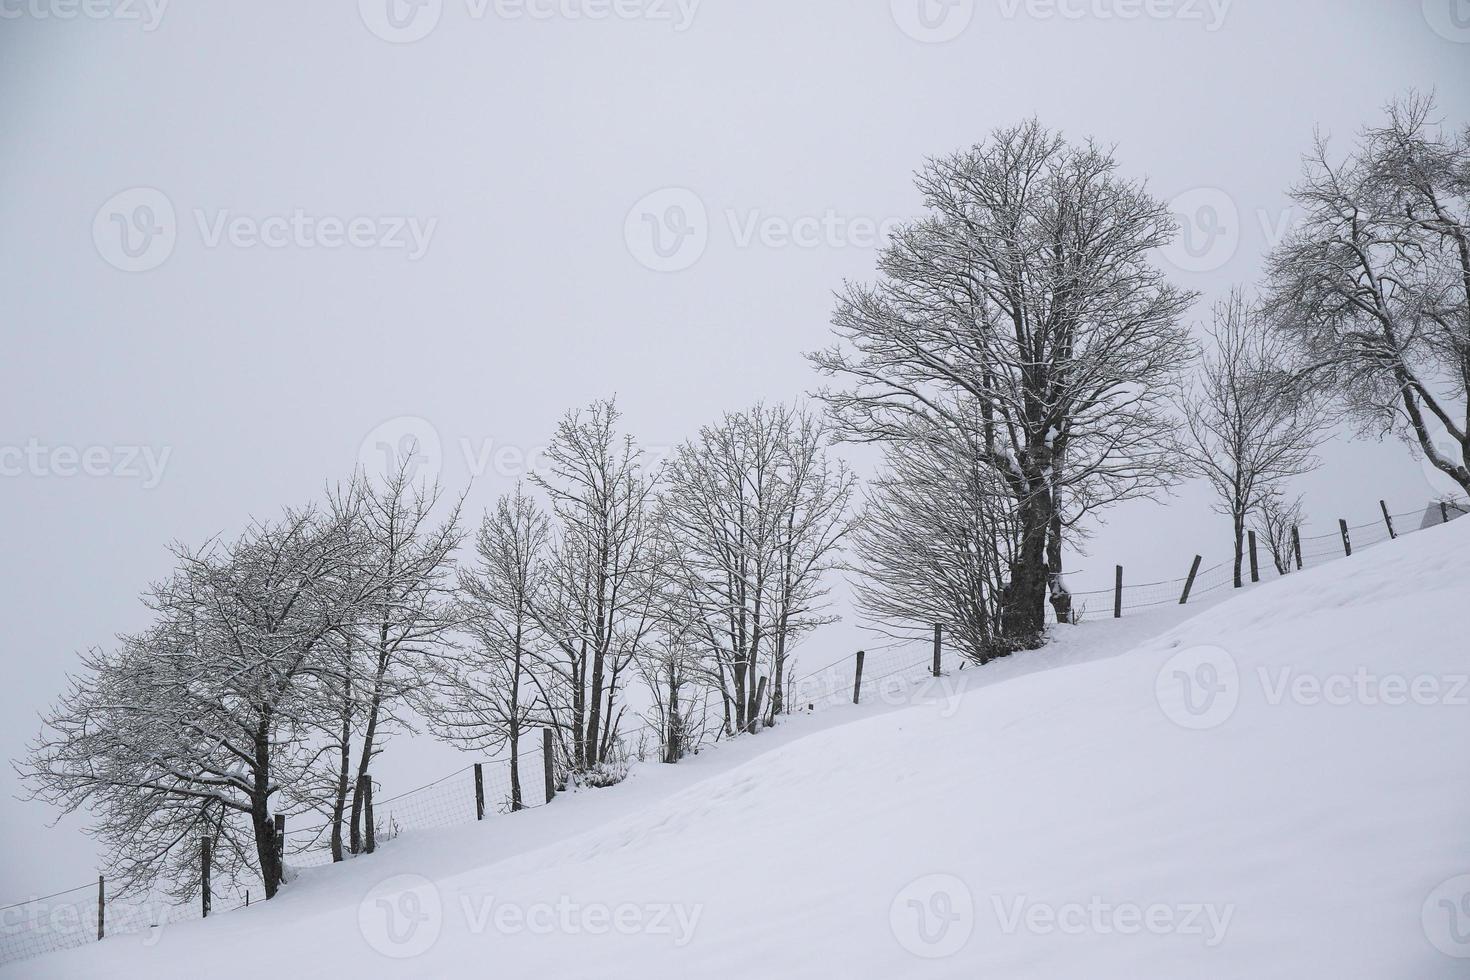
(755, 514)
(1249, 425)
(597, 606)
(1279, 519)
(1028, 293)
(1371, 286)
(412, 614)
(487, 693)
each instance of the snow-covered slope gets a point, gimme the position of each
(1277, 787)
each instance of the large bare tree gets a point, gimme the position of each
(1372, 284)
(1028, 293)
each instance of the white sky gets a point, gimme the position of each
(519, 146)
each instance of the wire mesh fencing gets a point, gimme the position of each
(885, 673)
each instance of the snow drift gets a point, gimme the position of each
(1276, 787)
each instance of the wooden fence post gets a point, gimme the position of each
(479, 792)
(857, 683)
(101, 908)
(1347, 542)
(280, 849)
(1189, 582)
(1296, 545)
(938, 646)
(1118, 593)
(1255, 562)
(204, 862)
(247, 898)
(548, 764)
(1388, 519)
(1444, 512)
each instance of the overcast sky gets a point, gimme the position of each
(243, 245)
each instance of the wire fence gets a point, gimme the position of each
(73, 917)
(1301, 552)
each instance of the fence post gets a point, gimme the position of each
(1189, 582)
(1118, 593)
(1388, 519)
(204, 874)
(280, 849)
(1444, 512)
(1347, 542)
(938, 646)
(548, 765)
(857, 683)
(101, 908)
(1255, 562)
(1296, 545)
(247, 898)
(479, 792)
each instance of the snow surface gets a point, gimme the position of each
(1074, 812)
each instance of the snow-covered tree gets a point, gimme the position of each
(1249, 425)
(755, 513)
(1372, 284)
(935, 541)
(487, 692)
(1027, 293)
(202, 724)
(597, 606)
(411, 615)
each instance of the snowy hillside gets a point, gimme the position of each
(1276, 787)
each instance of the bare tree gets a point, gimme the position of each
(598, 604)
(487, 694)
(1279, 520)
(1249, 425)
(411, 614)
(205, 723)
(1372, 284)
(755, 514)
(936, 538)
(1027, 293)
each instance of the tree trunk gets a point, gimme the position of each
(1023, 605)
(370, 734)
(515, 767)
(1061, 599)
(1239, 524)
